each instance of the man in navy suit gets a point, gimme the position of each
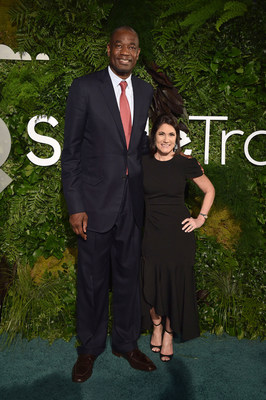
(102, 181)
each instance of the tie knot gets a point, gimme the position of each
(123, 85)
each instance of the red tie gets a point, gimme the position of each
(125, 112)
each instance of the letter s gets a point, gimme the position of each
(43, 139)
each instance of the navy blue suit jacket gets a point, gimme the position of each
(95, 156)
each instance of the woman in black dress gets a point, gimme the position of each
(168, 253)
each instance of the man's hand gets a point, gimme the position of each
(78, 223)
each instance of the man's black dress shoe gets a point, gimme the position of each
(82, 369)
(137, 360)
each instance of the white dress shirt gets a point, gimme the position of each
(117, 88)
(129, 93)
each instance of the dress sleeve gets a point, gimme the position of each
(193, 168)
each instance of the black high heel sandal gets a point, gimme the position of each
(153, 346)
(170, 356)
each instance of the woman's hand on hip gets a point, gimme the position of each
(189, 224)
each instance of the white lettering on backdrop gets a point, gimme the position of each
(5, 143)
(5, 146)
(43, 139)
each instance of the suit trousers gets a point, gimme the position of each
(118, 249)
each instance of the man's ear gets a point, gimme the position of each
(108, 49)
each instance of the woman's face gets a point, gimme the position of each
(165, 140)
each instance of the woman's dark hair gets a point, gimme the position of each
(160, 120)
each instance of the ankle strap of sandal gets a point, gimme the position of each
(170, 333)
(160, 323)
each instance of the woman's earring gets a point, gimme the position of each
(175, 148)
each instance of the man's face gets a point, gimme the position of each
(123, 52)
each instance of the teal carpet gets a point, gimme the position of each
(210, 367)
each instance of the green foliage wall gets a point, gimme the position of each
(216, 72)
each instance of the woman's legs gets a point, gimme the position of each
(167, 345)
(156, 338)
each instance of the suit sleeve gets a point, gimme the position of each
(75, 120)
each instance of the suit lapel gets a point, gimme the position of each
(137, 108)
(110, 99)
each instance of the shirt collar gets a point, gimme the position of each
(116, 79)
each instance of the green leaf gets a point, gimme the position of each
(240, 70)
(214, 67)
(29, 170)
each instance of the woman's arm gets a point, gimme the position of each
(209, 193)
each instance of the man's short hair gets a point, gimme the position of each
(123, 27)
